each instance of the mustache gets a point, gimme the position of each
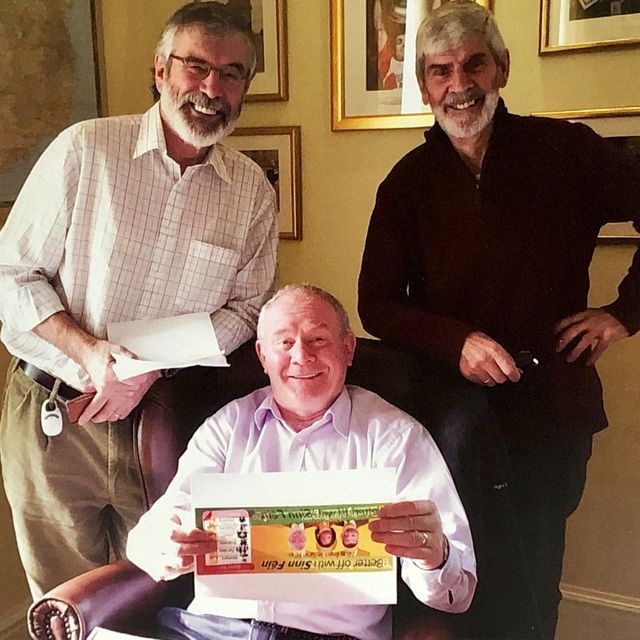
(199, 99)
(468, 95)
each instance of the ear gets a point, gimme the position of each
(421, 83)
(504, 64)
(159, 72)
(261, 355)
(350, 346)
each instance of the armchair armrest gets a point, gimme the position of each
(118, 596)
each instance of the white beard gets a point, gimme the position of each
(188, 131)
(455, 129)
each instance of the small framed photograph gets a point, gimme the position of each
(622, 127)
(268, 20)
(51, 53)
(373, 80)
(277, 151)
(570, 25)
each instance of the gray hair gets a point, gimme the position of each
(307, 291)
(450, 24)
(214, 19)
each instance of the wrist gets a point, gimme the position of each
(445, 552)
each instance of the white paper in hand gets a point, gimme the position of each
(166, 343)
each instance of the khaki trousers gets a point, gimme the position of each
(74, 496)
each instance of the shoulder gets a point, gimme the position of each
(378, 416)
(555, 133)
(410, 165)
(239, 412)
(95, 134)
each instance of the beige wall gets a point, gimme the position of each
(340, 175)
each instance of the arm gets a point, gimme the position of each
(439, 567)
(164, 541)
(32, 248)
(613, 176)
(236, 322)
(389, 267)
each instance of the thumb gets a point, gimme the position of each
(118, 349)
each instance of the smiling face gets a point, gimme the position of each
(462, 86)
(202, 110)
(305, 354)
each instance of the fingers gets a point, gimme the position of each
(182, 547)
(411, 529)
(593, 329)
(407, 508)
(485, 362)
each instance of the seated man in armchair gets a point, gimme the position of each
(305, 346)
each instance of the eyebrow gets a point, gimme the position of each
(237, 65)
(470, 61)
(319, 325)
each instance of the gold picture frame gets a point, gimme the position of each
(278, 152)
(360, 97)
(268, 20)
(620, 123)
(580, 25)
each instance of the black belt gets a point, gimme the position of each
(47, 381)
(297, 634)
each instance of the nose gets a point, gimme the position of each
(211, 85)
(460, 80)
(300, 353)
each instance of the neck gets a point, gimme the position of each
(183, 153)
(473, 148)
(299, 422)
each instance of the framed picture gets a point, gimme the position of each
(50, 78)
(622, 127)
(373, 81)
(268, 20)
(277, 151)
(570, 25)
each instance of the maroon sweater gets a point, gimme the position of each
(508, 256)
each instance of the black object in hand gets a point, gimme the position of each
(526, 360)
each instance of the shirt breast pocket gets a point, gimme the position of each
(208, 277)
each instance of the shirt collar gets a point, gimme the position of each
(151, 136)
(338, 415)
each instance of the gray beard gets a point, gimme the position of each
(455, 129)
(188, 131)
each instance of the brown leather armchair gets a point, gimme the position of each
(121, 597)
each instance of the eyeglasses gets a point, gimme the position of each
(200, 69)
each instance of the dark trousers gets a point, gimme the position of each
(548, 479)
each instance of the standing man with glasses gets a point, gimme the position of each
(124, 218)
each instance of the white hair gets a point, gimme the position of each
(449, 25)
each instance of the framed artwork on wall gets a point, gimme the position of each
(277, 151)
(49, 79)
(570, 25)
(622, 127)
(268, 20)
(373, 82)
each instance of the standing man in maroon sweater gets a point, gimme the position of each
(478, 249)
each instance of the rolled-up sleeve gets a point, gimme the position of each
(32, 241)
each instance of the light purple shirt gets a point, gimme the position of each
(360, 430)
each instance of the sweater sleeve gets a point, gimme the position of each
(390, 269)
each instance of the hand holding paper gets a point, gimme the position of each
(412, 530)
(180, 547)
(114, 399)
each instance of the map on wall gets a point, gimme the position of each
(47, 80)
